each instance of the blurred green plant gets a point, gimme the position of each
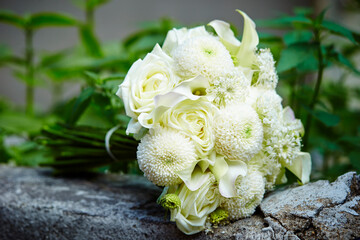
(309, 46)
(93, 112)
(29, 24)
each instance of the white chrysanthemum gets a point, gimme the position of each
(229, 88)
(268, 107)
(163, 154)
(204, 55)
(238, 132)
(269, 167)
(283, 144)
(265, 74)
(250, 190)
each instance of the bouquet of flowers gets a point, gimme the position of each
(211, 126)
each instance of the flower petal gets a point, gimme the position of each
(220, 167)
(190, 227)
(133, 127)
(227, 182)
(301, 167)
(250, 39)
(180, 93)
(226, 35)
(193, 177)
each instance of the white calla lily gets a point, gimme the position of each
(226, 35)
(301, 167)
(227, 181)
(193, 177)
(244, 51)
(250, 40)
(226, 172)
(220, 168)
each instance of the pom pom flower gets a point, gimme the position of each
(238, 132)
(211, 126)
(202, 56)
(160, 160)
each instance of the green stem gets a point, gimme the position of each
(29, 65)
(293, 92)
(317, 90)
(57, 91)
(90, 17)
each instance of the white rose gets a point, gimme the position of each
(146, 79)
(195, 119)
(195, 206)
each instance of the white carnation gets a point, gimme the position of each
(204, 55)
(231, 87)
(265, 72)
(250, 191)
(162, 155)
(238, 132)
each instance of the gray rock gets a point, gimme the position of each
(36, 205)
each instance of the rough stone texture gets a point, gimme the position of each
(36, 205)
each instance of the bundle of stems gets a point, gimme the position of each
(83, 148)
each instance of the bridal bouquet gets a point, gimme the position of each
(212, 128)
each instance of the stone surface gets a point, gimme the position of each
(36, 205)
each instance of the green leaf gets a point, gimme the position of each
(95, 3)
(340, 58)
(294, 55)
(297, 36)
(310, 65)
(88, 4)
(355, 159)
(328, 119)
(338, 29)
(320, 18)
(90, 41)
(5, 54)
(353, 140)
(50, 59)
(11, 18)
(283, 22)
(48, 19)
(80, 105)
(146, 43)
(16, 122)
(356, 36)
(92, 77)
(115, 76)
(303, 11)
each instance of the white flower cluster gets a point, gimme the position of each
(212, 128)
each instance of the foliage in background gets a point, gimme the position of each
(74, 134)
(311, 45)
(74, 131)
